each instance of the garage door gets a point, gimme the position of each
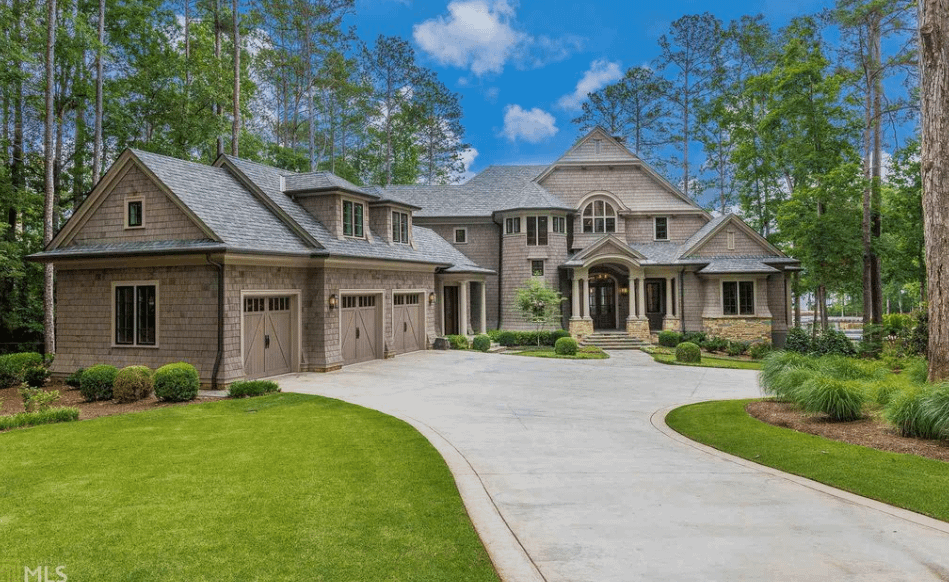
(407, 326)
(267, 336)
(360, 328)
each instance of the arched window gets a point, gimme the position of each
(599, 216)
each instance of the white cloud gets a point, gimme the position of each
(468, 157)
(600, 74)
(531, 126)
(474, 34)
(482, 36)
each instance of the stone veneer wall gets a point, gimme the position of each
(745, 329)
(187, 318)
(580, 328)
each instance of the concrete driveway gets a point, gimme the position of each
(593, 491)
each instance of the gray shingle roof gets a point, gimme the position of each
(135, 248)
(703, 232)
(723, 265)
(316, 181)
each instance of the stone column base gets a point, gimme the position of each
(638, 328)
(747, 329)
(671, 324)
(580, 328)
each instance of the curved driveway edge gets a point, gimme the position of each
(658, 420)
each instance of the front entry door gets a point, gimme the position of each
(603, 303)
(655, 303)
(451, 311)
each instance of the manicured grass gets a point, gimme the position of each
(915, 483)
(587, 353)
(280, 487)
(707, 361)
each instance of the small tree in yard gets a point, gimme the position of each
(538, 303)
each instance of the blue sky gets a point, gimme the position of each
(522, 68)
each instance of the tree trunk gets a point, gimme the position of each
(97, 140)
(217, 55)
(49, 320)
(934, 97)
(17, 178)
(236, 127)
(876, 173)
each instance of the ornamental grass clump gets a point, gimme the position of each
(844, 368)
(566, 346)
(481, 343)
(783, 373)
(688, 352)
(97, 381)
(841, 400)
(132, 383)
(921, 412)
(176, 382)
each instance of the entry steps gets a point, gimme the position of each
(613, 340)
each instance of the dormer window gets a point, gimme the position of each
(599, 216)
(353, 213)
(461, 236)
(134, 213)
(400, 227)
(662, 228)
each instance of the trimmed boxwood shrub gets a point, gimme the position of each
(715, 344)
(97, 381)
(669, 338)
(759, 350)
(175, 382)
(482, 343)
(688, 352)
(696, 337)
(14, 366)
(73, 380)
(132, 383)
(507, 338)
(566, 346)
(457, 342)
(36, 376)
(246, 388)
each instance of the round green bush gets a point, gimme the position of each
(36, 376)
(688, 352)
(566, 346)
(669, 338)
(507, 339)
(557, 334)
(482, 343)
(132, 383)
(13, 367)
(759, 350)
(75, 378)
(176, 382)
(97, 381)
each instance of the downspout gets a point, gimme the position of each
(500, 269)
(220, 321)
(682, 300)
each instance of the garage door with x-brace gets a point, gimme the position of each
(407, 322)
(359, 328)
(267, 337)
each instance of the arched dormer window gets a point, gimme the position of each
(599, 216)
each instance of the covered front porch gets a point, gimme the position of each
(463, 301)
(610, 289)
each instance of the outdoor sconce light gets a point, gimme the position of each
(431, 298)
(624, 290)
(332, 301)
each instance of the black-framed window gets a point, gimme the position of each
(738, 297)
(599, 216)
(353, 218)
(537, 230)
(512, 225)
(134, 214)
(400, 227)
(559, 224)
(537, 268)
(662, 228)
(461, 236)
(136, 309)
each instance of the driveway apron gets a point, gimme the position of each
(594, 492)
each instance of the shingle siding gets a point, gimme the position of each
(632, 185)
(517, 270)
(717, 246)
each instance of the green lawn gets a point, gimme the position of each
(587, 353)
(707, 361)
(281, 487)
(915, 483)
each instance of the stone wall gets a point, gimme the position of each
(745, 329)
(638, 328)
(580, 328)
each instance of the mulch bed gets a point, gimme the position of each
(869, 432)
(12, 403)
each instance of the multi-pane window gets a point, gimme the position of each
(559, 224)
(352, 218)
(461, 236)
(135, 315)
(738, 297)
(537, 268)
(537, 230)
(662, 228)
(512, 225)
(599, 216)
(134, 214)
(400, 227)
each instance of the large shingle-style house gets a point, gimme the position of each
(246, 270)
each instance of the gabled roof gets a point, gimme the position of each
(609, 246)
(714, 226)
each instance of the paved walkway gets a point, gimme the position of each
(568, 454)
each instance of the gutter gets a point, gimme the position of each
(220, 322)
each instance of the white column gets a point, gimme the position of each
(669, 297)
(641, 285)
(463, 308)
(575, 311)
(484, 305)
(631, 294)
(586, 296)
